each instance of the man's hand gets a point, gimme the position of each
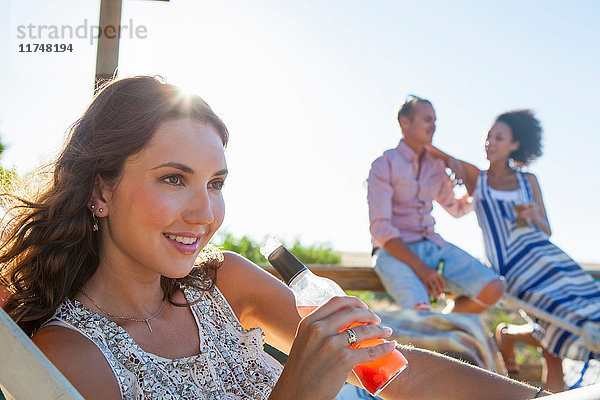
(434, 283)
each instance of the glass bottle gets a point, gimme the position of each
(312, 291)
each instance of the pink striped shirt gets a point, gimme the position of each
(400, 196)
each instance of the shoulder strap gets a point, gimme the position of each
(524, 188)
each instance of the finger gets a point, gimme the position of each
(349, 316)
(442, 283)
(435, 285)
(366, 354)
(335, 304)
(366, 332)
(429, 288)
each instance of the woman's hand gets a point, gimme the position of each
(529, 211)
(458, 172)
(320, 360)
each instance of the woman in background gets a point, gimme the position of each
(516, 231)
(104, 272)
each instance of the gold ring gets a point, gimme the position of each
(352, 339)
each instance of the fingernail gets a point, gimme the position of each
(388, 330)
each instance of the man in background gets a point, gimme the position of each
(407, 251)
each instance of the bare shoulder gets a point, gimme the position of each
(79, 360)
(530, 175)
(246, 286)
(532, 179)
(235, 267)
(240, 275)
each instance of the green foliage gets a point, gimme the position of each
(318, 253)
(7, 177)
(368, 297)
(2, 148)
(244, 246)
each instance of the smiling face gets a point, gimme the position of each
(418, 129)
(168, 202)
(499, 143)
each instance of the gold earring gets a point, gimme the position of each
(93, 207)
(95, 226)
(100, 210)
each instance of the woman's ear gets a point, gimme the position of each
(514, 145)
(101, 195)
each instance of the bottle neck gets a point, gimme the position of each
(286, 264)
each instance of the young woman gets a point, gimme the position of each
(511, 213)
(103, 271)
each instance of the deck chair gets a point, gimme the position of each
(589, 332)
(25, 372)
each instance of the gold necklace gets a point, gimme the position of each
(146, 320)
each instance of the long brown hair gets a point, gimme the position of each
(48, 248)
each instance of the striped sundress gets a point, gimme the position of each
(537, 271)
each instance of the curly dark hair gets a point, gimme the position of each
(48, 248)
(526, 130)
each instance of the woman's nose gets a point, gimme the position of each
(199, 210)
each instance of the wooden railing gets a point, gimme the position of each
(358, 278)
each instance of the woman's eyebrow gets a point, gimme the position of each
(221, 172)
(179, 166)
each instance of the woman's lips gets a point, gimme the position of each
(186, 244)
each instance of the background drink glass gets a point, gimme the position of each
(519, 220)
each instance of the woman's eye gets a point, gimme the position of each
(173, 179)
(217, 185)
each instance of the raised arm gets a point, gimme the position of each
(464, 172)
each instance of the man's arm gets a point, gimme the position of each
(380, 193)
(379, 196)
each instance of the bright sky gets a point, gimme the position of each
(310, 89)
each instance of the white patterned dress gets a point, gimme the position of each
(537, 271)
(231, 365)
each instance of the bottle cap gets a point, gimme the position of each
(284, 262)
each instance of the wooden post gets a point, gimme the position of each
(107, 56)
